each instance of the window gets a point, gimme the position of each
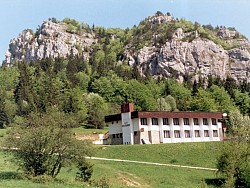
(144, 121)
(120, 135)
(196, 121)
(113, 135)
(205, 122)
(117, 135)
(154, 121)
(135, 133)
(186, 121)
(177, 134)
(176, 121)
(214, 122)
(187, 134)
(166, 134)
(165, 121)
(206, 133)
(197, 133)
(215, 133)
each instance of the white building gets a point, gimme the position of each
(142, 127)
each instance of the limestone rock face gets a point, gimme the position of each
(226, 33)
(160, 18)
(50, 40)
(200, 57)
(176, 57)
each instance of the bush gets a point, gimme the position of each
(45, 144)
(85, 171)
(103, 182)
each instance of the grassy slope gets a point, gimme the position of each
(11, 178)
(151, 176)
(202, 154)
(193, 154)
(122, 174)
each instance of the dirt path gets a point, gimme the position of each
(151, 163)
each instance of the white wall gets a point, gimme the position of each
(127, 128)
(181, 127)
(115, 128)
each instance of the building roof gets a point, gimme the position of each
(165, 114)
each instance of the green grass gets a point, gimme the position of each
(2, 134)
(82, 130)
(202, 154)
(151, 176)
(122, 174)
(11, 177)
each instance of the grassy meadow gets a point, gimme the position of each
(122, 174)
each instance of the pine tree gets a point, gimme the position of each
(3, 115)
(24, 92)
(230, 85)
(195, 88)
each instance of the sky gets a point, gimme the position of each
(17, 15)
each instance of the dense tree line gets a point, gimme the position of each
(75, 87)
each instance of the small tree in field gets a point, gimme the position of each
(43, 144)
(234, 163)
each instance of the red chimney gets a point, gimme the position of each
(127, 107)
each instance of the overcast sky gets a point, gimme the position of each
(17, 15)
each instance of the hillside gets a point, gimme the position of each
(121, 174)
(160, 46)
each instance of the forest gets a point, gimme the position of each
(87, 92)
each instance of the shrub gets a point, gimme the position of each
(45, 144)
(103, 182)
(85, 171)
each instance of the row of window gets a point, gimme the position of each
(177, 122)
(119, 135)
(177, 133)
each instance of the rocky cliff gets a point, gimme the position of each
(50, 40)
(202, 57)
(175, 48)
(193, 53)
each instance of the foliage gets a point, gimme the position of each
(24, 93)
(203, 101)
(97, 109)
(43, 144)
(85, 171)
(166, 104)
(222, 98)
(102, 182)
(242, 100)
(181, 94)
(234, 161)
(4, 119)
(140, 95)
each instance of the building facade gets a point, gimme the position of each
(154, 127)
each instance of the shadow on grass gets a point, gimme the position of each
(9, 175)
(217, 182)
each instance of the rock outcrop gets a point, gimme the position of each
(186, 53)
(50, 40)
(199, 57)
(177, 58)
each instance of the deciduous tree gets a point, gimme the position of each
(43, 143)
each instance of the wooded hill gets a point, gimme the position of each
(88, 71)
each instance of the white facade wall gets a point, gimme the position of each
(115, 127)
(128, 126)
(191, 128)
